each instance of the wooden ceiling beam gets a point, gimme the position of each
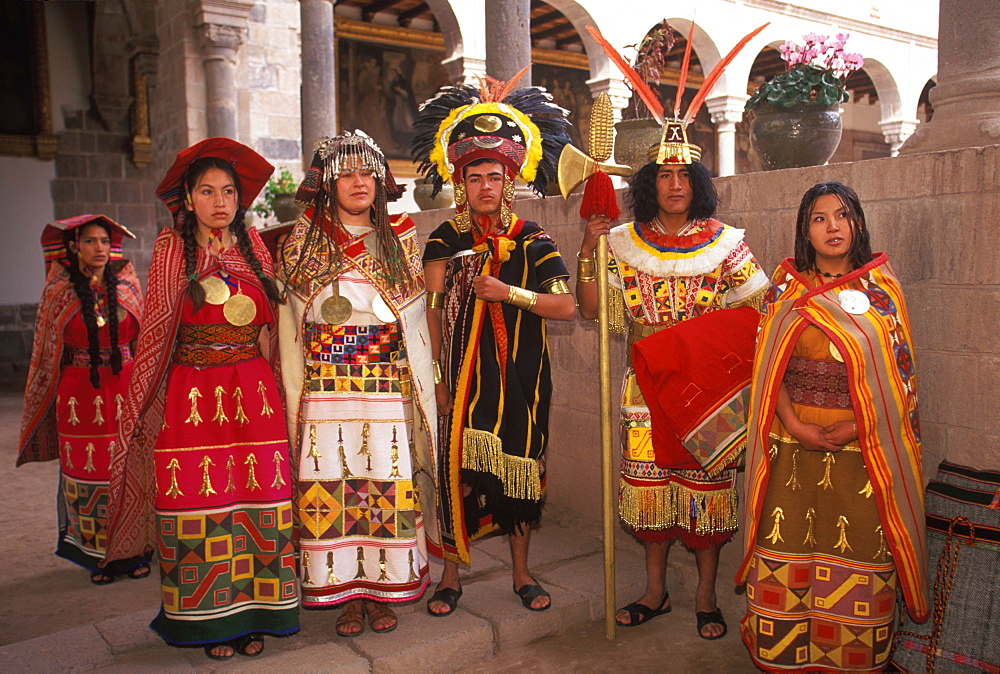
(545, 18)
(551, 32)
(374, 8)
(406, 17)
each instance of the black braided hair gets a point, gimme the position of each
(81, 284)
(188, 235)
(239, 231)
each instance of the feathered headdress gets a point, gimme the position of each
(674, 147)
(522, 129)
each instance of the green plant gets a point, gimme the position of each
(815, 75)
(281, 183)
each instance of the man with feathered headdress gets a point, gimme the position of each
(359, 388)
(492, 280)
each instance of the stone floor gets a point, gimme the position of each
(53, 619)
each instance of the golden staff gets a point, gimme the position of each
(574, 168)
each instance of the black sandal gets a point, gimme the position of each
(448, 596)
(101, 579)
(243, 643)
(213, 656)
(640, 614)
(528, 594)
(709, 618)
(139, 572)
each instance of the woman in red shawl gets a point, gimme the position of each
(81, 360)
(204, 446)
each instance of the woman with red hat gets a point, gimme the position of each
(81, 359)
(201, 472)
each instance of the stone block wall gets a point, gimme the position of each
(934, 215)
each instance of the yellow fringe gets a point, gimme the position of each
(482, 451)
(670, 505)
(616, 310)
(756, 301)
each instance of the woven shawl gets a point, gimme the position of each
(876, 347)
(39, 441)
(131, 524)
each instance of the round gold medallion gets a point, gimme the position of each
(487, 123)
(835, 352)
(122, 314)
(216, 290)
(239, 310)
(336, 309)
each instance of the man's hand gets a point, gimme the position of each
(596, 226)
(490, 289)
(444, 399)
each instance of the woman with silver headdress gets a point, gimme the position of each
(359, 386)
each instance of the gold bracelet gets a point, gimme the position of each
(556, 286)
(438, 374)
(521, 298)
(586, 269)
(435, 300)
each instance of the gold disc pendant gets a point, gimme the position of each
(239, 310)
(216, 290)
(336, 309)
(835, 352)
(122, 314)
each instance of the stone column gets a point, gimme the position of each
(896, 131)
(967, 97)
(508, 39)
(222, 27)
(319, 74)
(727, 112)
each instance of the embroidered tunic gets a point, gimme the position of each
(832, 536)
(496, 363)
(61, 398)
(360, 399)
(658, 281)
(204, 449)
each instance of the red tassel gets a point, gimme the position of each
(599, 197)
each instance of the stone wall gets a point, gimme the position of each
(934, 214)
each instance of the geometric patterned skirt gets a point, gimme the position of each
(822, 588)
(223, 506)
(360, 523)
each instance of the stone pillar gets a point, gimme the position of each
(222, 27)
(465, 69)
(319, 74)
(896, 131)
(508, 39)
(967, 97)
(727, 112)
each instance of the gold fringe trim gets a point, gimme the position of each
(616, 310)
(482, 451)
(669, 505)
(756, 301)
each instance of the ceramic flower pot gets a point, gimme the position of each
(633, 138)
(802, 135)
(422, 195)
(285, 209)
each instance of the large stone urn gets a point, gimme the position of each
(285, 208)
(633, 139)
(802, 135)
(422, 195)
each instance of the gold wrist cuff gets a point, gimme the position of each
(438, 374)
(435, 300)
(586, 269)
(556, 286)
(521, 298)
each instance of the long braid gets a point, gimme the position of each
(111, 287)
(81, 284)
(239, 230)
(194, 290)
(395, 266)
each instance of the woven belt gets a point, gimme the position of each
(637, 331)
(218, 333)
(201, 356)
(818, 383)
(81, 357)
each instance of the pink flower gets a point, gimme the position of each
(792, 58)
(842, 37)
(814, 38)
(853, 61)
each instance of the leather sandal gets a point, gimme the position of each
(352, 615)
(378, 612)
(243, 643)
(640, 614)
(139, 572)
(448, 596)
(710, 618)
(101, 579)
(528, 594)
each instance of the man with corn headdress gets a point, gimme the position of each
(677, 281)
(492, 280)
(359, 388)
